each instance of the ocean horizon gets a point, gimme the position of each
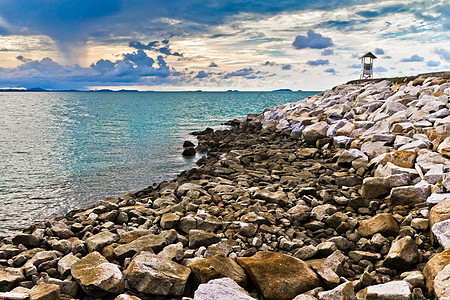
(63, 151)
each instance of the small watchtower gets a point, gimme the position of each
(367, 65)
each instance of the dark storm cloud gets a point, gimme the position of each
(312, 40)
(71, 22)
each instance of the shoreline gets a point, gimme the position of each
(340, 190)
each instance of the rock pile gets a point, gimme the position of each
(345, 195)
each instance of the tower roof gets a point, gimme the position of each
(368, 54)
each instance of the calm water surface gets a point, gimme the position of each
(65, 150)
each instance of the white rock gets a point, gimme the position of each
(436, 198)
(394, 290)
(442, 283)
(441, 231)
(344, 291)
(221, 289)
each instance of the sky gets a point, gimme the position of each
(175, 45)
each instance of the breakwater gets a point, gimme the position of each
(341, 196)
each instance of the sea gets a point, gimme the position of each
(61, 151)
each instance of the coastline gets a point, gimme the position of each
(324, 185)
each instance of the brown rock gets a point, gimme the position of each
(401, 158)
(44, 291)
(279, 276)
(403, 254)
(383, 223)
(440, 212)
(444, 147)
(217, 266)
(316, 131)
(434, 266)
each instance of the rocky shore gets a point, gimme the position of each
(343, 195)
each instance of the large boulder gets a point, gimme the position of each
(444, 147)
(154, 275)
(379, 186)
(217, 266)
(403, 254)
(97, 277)
(383, 223)
(440, 212)
(149, 242)
(436, 264)
(221, 289)
(279, 276)
(314, 132)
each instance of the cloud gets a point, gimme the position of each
(132, 68)
(379, 51)
(330, 70)
(268, 63)
(327, 52)
(414, 58)
(201, 74)
(319, 62)
(433, 63)
(391, 9)
(312, 40)
(155, 46)
(286, 67)
(355, 66)
(379, 70)
(213, 65)
(444, 54)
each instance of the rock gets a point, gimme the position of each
(306, 252)
(189, 152)
(345, 291)
(221, 289)
(357, 256)
(444, 147)
(440, 212)
(279, 276)
(151, 274)
(383, 223)
(314, 132)
(67, 287)
(100, 240)
(188, 144)
(126, 297)
(427, 159)
(437, 198)
(198, 238)
(348, 156)
(96, 276)
(403, 254)
(378, 186)
(441, 231)
(44, 291)
(217, 266)
(442, 283)
(169, 220)
(401, 158)
(148, 242)
(173, 252)
(394, 290)
(390, 169)
(28, 240)
(409, 194)
(9, 278)
(278, 197)
(436, 264)
(65, 263)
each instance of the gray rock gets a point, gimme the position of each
(409, 194)
(394, 290)
(437, 198)
(345, 291)
(65, 263)
(314, 132)
(221, 289)
(377, 186)
(154, 275)
(306, 252)
(199, 238)
(441, 231)
(149, 242)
